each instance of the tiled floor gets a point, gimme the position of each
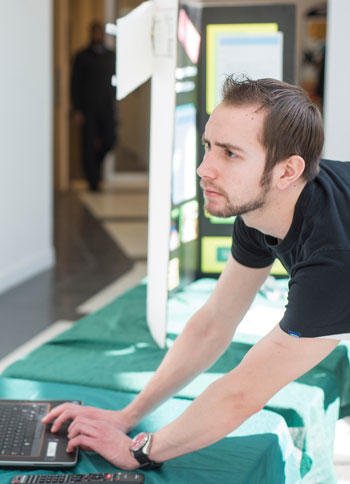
(101, 244)
(131, 236)
(89, 260)
(125, 282)
(115, 204)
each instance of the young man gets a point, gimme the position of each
(263, 144)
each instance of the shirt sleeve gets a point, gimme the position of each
(248, 246)
(318, 298)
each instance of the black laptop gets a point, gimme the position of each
(26, 442)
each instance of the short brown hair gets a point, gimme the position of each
(292, 125)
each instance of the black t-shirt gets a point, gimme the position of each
(315, 252)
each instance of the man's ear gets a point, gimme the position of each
(289, 171)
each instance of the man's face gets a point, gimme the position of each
(97, 34)
(233, 165)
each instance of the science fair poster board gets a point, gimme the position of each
(179, 231)
(213, 41)
(255, 41)
(184, 241)
(255, 50)
(248, 49)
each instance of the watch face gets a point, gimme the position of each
(139, 441)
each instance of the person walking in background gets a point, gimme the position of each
(93, 102)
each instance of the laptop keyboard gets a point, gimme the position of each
(21, 428)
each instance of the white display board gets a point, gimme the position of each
(161, 151)
(134, 63)
(256, 55)
(254, 50)
(184, 156)
(146, 47)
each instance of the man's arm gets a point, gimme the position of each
(204, 339)
(272, 363)
(269, 365)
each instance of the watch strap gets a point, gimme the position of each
(142, 458)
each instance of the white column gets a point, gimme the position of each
(26, 154)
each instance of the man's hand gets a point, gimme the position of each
(101, 437)
(69, 411)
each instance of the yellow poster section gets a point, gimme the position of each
(215, 251)
(213, 31)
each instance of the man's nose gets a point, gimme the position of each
(207, 168)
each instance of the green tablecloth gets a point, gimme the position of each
(113, 349)
(260, 451)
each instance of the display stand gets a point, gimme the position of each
(213, 39)
(256, 41)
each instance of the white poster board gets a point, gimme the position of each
(146, 47)
(161, 151)
(254, 50)
(134, 64)
(184, 155)
(257, 55)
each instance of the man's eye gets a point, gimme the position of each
(206, 146)
(230, 154)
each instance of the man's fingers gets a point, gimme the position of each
(54, 413)
(57, 411)
(82, 441)
(69, 414)
(82, 426)
(79, 420)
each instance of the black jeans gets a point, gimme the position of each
(99, 136)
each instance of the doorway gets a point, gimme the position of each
(131, 154)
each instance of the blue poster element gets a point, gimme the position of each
(185, 154)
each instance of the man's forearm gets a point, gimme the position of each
(272, 363)
(205, 337)
(214, 414)
(196, 348)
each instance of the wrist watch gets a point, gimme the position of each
(140, 447)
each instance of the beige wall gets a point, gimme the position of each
(81, 14)
(135, 111)
(134, 124)
(61, 96)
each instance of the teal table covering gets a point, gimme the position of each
(260, 451)
(113, 349)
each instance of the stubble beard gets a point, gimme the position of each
(231, 210)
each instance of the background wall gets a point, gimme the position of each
(25, 140)
(337, 99)
(134, 114)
